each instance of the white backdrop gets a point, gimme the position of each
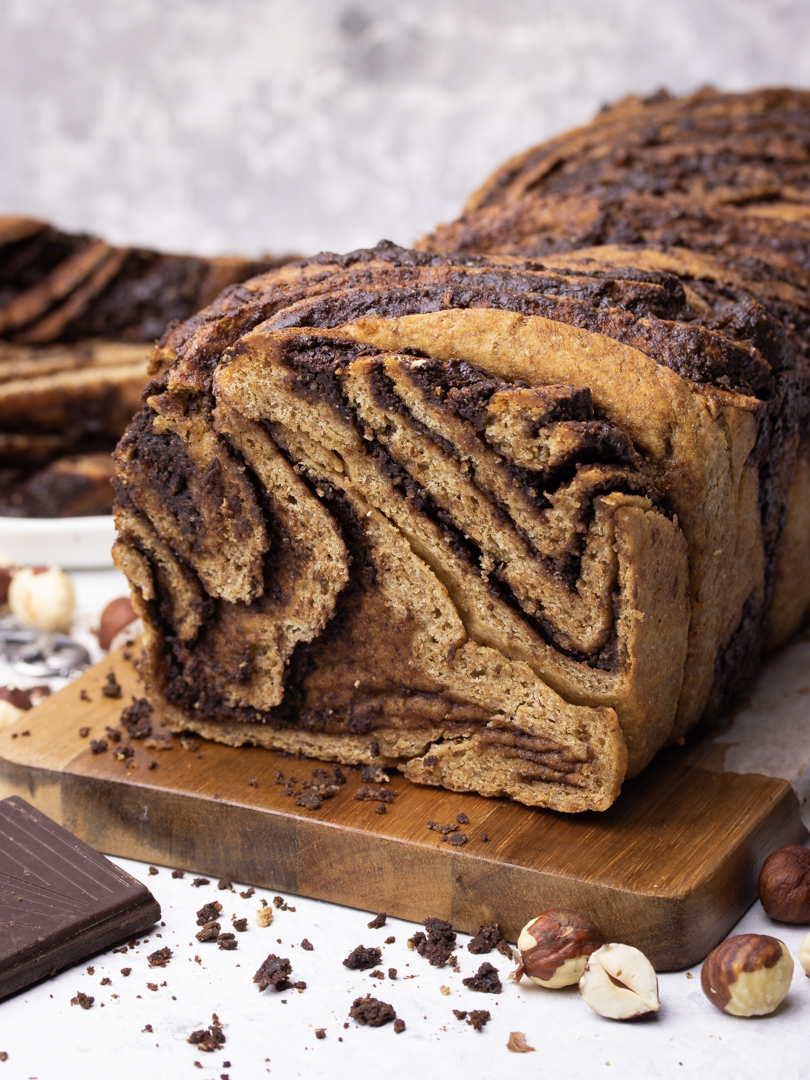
(255, 125)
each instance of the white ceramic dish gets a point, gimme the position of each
(79, 543)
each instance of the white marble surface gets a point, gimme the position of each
(301, 125)
(48, 1039)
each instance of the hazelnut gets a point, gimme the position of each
(748, 975)
(784, 884)
(804, 954)
(619, 982)
(554, 948)
(43, 597)
(115, 617)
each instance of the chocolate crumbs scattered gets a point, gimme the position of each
(111, 687)
(361, 958)
(478, 1017)
(274, 972)
(377, 974)
(82, 999)
(84, 696)
(208, 1039)
(84, 732)
(209, 932)
(457, 839)
(485, 980)
(246, 895)
(486, 937)
(369, 794)
(126, 971)
(392, 973)
(307, 945)
(98, 746)
(320, 1033)
(227, 942)
(437, 947)
(178, 873)
(198, 881)
(135, 719)
(225, 883)
(153, 870)
(239, 925)
(378, 921)
(462, 819)
(399, 1026)
(390, 940)
(160, 958)
(371, 1011)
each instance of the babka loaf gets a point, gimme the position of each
(506, 528)
(79, 318)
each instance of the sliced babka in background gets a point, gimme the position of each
(78, 319)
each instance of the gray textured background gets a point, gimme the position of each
(254, 125)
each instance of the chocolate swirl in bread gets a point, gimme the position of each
(486, 522)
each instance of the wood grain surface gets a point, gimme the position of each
(669, 868)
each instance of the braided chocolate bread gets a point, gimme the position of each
(505, 528)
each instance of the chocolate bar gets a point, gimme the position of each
(60, 901)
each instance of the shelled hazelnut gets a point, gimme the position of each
(804, 954)
(619, 982)
(784, 884)
(555, 946)
(43, 597)
(748, 975)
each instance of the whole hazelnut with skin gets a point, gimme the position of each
(784, 884)
(748, 975)
(619, 982)
(43, 597)
(555, 946)
(115, 617)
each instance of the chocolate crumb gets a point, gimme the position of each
(457, 839)
(274, 972)
(246, 895)
(208, 1039)
(485, 980)
(98, 746)
(479, 1017)
(486, 937)
(198, 881)
(252, 781)
(438, 945)
(227, 942)
(135, 719)
(113, 734)
(300, 986)
(369, 794)
(392, 973)
(91, 970)
(443, 830)
(126, 971)
(372, 1011)
(399, 1026)
(390, 940)
(111, 688)
(147, 1028)
(160, 958)
(152, 986)
(239, 924)
(462, 819)
(84, 732)
(361, 958)
(278, 901)
(380, 809)
(84, 696)
(505, 950)
(377, 974)
(378, 921)
(152, 765)
(124, 753)
(307, 945)
(208, 913)
(153, 870)
(225, 883)
(460, 1014)
(320, 1033)
(210, 932)
(188, 743)
(178, 873)
(484, 837)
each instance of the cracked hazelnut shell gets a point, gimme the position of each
(784, 884)
(619, 982)
(748, 975)
(555, 946)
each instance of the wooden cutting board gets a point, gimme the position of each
(669, 868)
